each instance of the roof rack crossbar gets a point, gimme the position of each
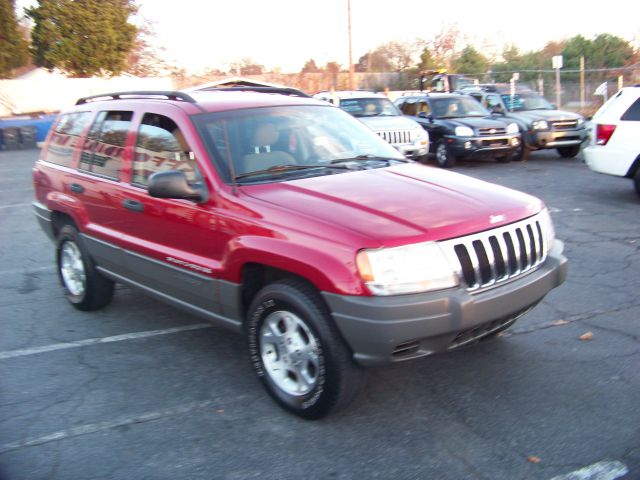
(249, 88)
(169, 94)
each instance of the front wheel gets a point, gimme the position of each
(298, 353)
(444, 156)
(569, 152)
(84, 286)
(505, 158)
(521, 153)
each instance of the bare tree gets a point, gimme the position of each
(145, 60)
(445, 45)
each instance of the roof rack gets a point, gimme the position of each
(170, 95)
(292, 92)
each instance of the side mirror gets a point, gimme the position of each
(554, 106)
(496, 110)
(173, 184)
(423, 115)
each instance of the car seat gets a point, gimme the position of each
(263, 155)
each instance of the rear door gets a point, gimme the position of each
(97, 184)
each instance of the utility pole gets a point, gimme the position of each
(351, 70)
(556, 62)
(582, 82)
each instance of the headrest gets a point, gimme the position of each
(265, 134)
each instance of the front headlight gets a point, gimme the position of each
(512, 128)
(413, 268)
(464, 132)
(540, 125)
(547, 229)
(420, 135)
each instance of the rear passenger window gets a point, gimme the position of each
(103, 149)
(161, 146)
(633, 112)
(65, 137)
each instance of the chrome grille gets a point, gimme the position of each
(485, 132)
(564, 124)
(494, 256)
(396, 137)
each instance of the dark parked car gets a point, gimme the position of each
(460, 127)
(542, 125)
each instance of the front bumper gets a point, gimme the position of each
(486, 146)
(382, 330)
(555, 139)
(411, 150)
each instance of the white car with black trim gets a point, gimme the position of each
(377, 112)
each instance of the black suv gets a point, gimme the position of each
(460, 127)
(541, 124)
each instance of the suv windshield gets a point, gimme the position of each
(369, 107)
(453, 107)
(526, 101)
(278, 143)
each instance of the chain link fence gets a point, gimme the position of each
(575, 94)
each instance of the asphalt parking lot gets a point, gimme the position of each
(143, 391)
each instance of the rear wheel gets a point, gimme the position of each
(297, 351)
(84, 286)
(569, 152)
(444, 156)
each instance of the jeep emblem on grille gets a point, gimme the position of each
(492, 131)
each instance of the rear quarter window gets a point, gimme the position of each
(66, 137)
(633, 112)
(103, 150)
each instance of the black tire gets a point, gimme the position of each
(85, 288)
(505, 158)
(636, 181)
(423, 159)
(444, 157)
(569, 152)
(521, 153)
(327, 361)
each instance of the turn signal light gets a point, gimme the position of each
(603, 133)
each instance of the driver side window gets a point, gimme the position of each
(161, 146)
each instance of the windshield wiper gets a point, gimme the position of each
(278, 169)
(368, 158)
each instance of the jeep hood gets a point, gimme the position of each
(477, 122)
(400, 204)
(389, 122)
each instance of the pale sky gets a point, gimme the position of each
(201, 34)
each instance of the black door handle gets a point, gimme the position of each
(76, 187)
(133, 205)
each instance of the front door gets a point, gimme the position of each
(169, 243)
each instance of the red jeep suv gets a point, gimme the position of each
(286, 219)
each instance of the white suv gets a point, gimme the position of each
(377, 112)
(615, 137)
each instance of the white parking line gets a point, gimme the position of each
(94, 341)
(15, 205)
(101, 426)
(27, 271)
(604, 470)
